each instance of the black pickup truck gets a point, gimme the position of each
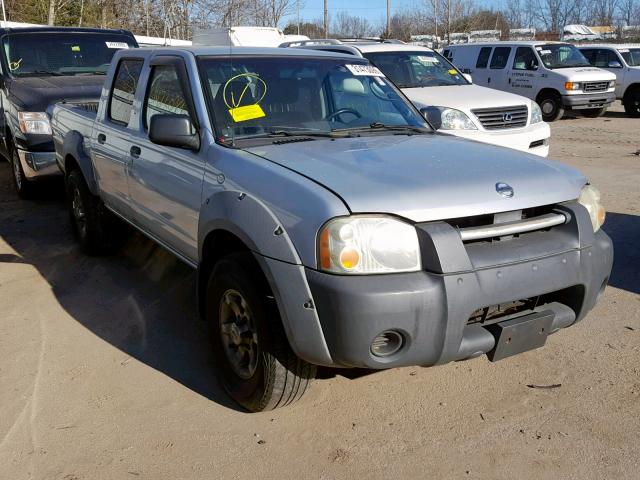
(39, 67)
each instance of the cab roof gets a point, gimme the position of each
(530, 43)
(48, 29)
(204, 51)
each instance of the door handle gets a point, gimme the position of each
(102, 138)
(135, 151)
(489, 80)
(509, 82)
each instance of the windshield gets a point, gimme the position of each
(561, 56)
(62, 53)
(417, 69)
(261, 96)
(631, 56)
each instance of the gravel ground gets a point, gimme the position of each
(105, 372)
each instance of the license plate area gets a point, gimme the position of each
(520, 334)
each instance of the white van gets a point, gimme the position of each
(447, 98)
(624, 62)
(243, 37)
(554, 74)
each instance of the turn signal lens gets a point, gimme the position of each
(571, 85)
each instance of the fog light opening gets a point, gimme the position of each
(387, 343)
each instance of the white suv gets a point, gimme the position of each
(624, 62)
(447, 98)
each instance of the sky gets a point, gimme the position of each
(373, 10)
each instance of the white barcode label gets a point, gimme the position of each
(117, 44)
(364, 70)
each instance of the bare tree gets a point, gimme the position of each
(603, 11)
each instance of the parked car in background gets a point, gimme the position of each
(554, 74)
(328, 223)
(40, 67)
(242, 37)
(447, 98)
(624, 62)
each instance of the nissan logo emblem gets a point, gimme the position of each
(504, 189)
(507, 117)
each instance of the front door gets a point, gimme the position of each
(165, 183)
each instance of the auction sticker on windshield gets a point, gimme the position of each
(364, 70)
(117, 44)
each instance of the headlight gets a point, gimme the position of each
(455, 120)
(590, 199)
(34, 122)
(536, 113)
(368, 244)
(572, 85)
(612, 84)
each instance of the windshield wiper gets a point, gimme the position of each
(378, 126)
(41, 72)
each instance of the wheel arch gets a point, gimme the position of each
(547, 91)
(73, 155)
(630, 89)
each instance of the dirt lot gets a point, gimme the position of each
(105, 372)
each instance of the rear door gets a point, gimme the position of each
(166, 182)
(480, 73)
(111, 136)
(498, 76)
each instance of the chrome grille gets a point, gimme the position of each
(500, 118)
(596, 86)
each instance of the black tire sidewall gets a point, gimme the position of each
(23, 189)
(630, 106)
(236, 272)
(558, 109)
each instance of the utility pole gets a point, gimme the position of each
(326, 18)
(4, 15)
(388, 18)
(298, 14)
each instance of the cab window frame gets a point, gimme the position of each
(121, 61)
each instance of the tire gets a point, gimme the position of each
(551, 106)
(631, 103)
(24, 187)
(594, 112)
(256, 365)
(97, 230)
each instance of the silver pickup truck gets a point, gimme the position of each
(328, 223)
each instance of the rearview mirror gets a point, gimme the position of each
(433, 116)
(173, 130)
(468, 77)
(615, 64)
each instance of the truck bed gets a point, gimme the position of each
(67, 117)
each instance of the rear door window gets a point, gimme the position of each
(124, 90)
(500, 58)
(483, 57)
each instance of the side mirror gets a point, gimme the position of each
(433, 116)
(615, 64)
(173, 130)
(533, 65)
(468, 77)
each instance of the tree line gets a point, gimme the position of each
(177, 18)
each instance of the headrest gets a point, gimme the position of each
(353, 85)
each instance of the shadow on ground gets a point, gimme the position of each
(140, 300)
(624, 230)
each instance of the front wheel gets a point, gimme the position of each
(551, 106)
(24, 188)
(594, 112)
(256, 365)
(632, 103)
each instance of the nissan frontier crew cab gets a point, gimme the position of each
(328, 223)
(554, 74)
(41, 66)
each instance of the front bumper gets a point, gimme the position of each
(588, 100)
(431, 308)
(38, 164)
(533, 138)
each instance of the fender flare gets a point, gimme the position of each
(73, 146)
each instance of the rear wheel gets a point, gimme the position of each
(631, 103)
(256, 365)
(594, 112)
(98, 230)
(551, 106)
(24, 188)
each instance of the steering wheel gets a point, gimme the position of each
(342, 111)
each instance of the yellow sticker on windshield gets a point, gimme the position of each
(453, 72)
(75, 48)
(248, 112)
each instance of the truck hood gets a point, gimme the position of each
(585, 74)
(35, 94)
(426, 177)
(463, 97)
